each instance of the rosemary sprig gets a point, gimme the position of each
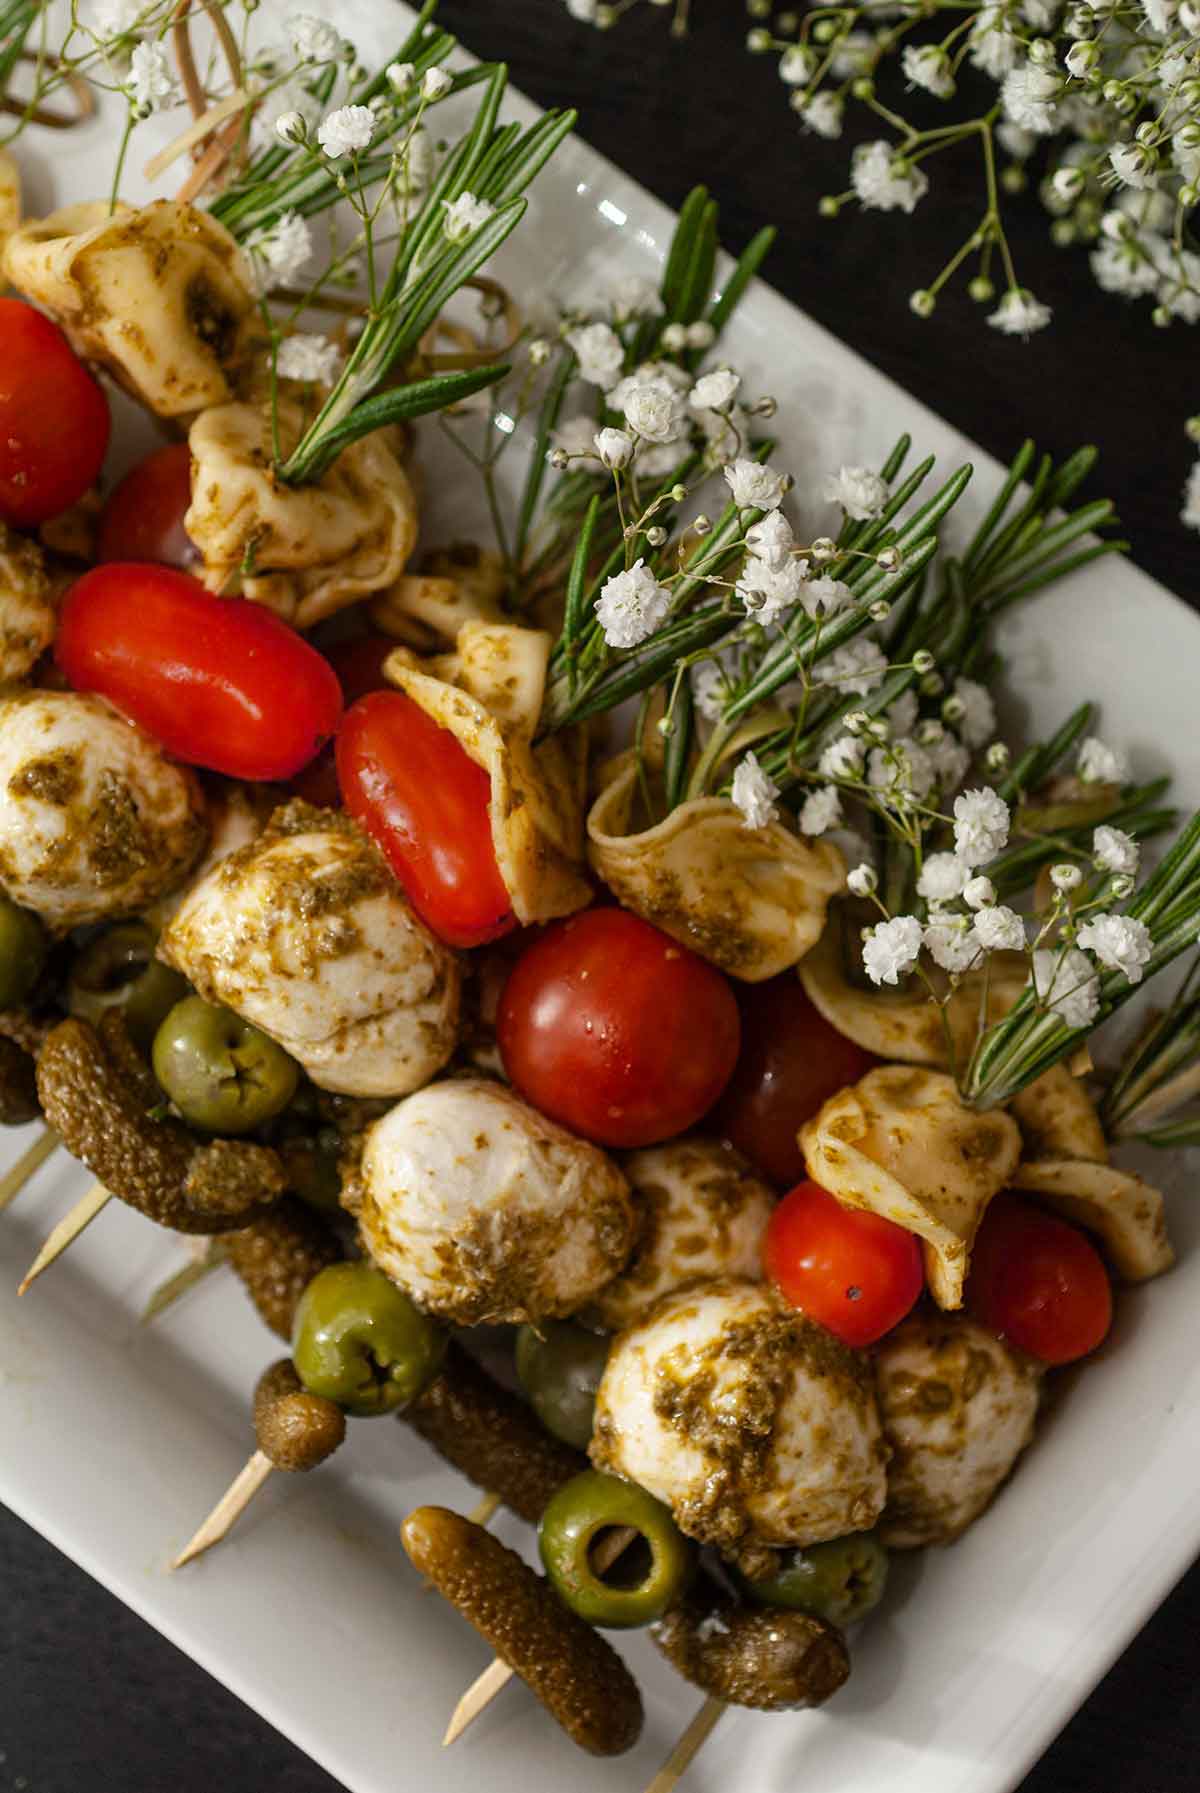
(1153, 1077)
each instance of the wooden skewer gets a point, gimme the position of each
(485, 1512)
(169, 1292)
(67, 1230)
(197, 131)
(688, 1747)
(14, 1180)
(496, 1677)
(228, 1509)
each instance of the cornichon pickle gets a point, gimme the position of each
(578, 1677)
(765, 1657)
(294, 1429)
(491, 1437)
(278, 1257)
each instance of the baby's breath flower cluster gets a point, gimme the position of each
(1096, 103)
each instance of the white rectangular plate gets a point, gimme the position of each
(114, 1441)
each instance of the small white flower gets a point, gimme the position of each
(862, 880)
(584, 10)
(994, 47)
(1098, 764)
(1066, 983)
(755, 487)
(860, 492)
(291, 126)
(712, 392)
(1132, 164)
(951, 763)
(883, 181)
(701, 334)
(1019, 313)
(821, 811)
(346, 131)
(1189, 514)
(400, 76)
(753, 792)
(312, 39)
(823, 114)
(599, 353)
(114, 18)
(464, 216)
(1120, 942)
(281, 249)
(771, 539)
(843, 758)
(979, 892)
(952, 943)
(631, 606)
(859, 666)
(1079, 59)
(614, 447)
(576, 436)
(151, 84)
(980, 826)
(1028, 95)
(900, 771)
(766, 594)
(942, 878)
(313, 359)
(852, 55)
(927, 66)
(632, 296)
(825, 596)
(978, 720)
(797, 65)
(1159, 13)
(1116, 851)
(435, 82)
(1000, 929)
(892, 948)
(710, 689)
(1123, 268)
(654, 409)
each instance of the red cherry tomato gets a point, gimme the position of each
(54, 421)
(856, 1273)
(143, 519)
(359, 668)
(1039, 1282)
(611, 1027)
(220, 682)
(424, 802)
(791, 1062)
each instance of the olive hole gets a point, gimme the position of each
(628, 1570)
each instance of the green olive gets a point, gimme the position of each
(22, 953)
(560, 1366)
(223, 1075)
(118, 970)
(643, 1582)
(359, 1340)
(840, 1581)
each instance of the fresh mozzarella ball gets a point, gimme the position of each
(754, 1425)
(958, 1409)
(236, 815)
(485, 1211)
(306, 934)
(94, 821)
(27, 614)
(702, 1213)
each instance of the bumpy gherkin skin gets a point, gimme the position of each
(769, 1658)
(295, 1430)
(96, 1094)
(578, 1677)
(492, 1437)
(278, 1257)
(18, 1086)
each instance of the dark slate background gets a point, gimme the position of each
(91, 1698)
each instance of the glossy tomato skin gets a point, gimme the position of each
(54, 419)
(358, 665)
(220, 682)
(791, 1062)
(424, 802)
(143, 519)
(611, 1027)
(1038, 1282)
(856, 1273)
